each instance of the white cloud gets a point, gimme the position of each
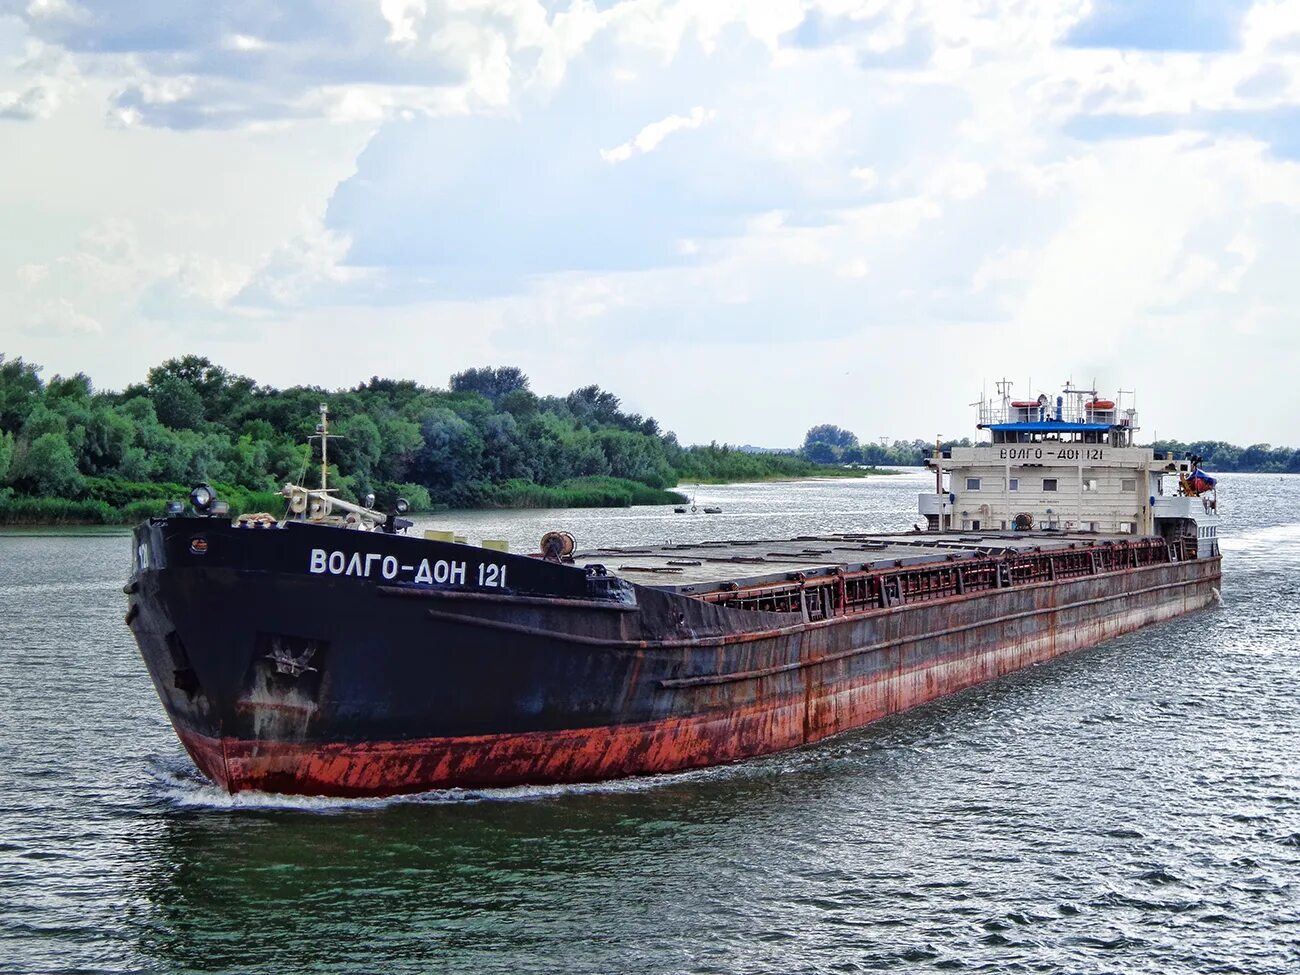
(870, 183)
(1272, 27)
(648, 139)
(56, 10)
(402, 17)
(58, 318)
(299, 268)
(865, 175)
(31, 103)
(958, 180)
(799, 137)
(243, 42)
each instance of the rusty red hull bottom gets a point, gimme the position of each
(281, 678)
(380, 768)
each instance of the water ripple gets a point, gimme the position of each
(1134, 808)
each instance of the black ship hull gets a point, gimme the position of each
(308, 659)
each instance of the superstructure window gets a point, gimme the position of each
(1015, 484)
(1049, 484)
(1128, 484)
(972, 484)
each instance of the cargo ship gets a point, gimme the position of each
(334, 652)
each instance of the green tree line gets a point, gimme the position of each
(829, 444)
(69, 451)
(1217, 456)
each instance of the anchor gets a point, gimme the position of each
(289, 664)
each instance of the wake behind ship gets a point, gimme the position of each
(331, 653)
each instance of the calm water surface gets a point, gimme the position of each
(1132, 808)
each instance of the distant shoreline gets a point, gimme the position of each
(34, 513)
(832, 474)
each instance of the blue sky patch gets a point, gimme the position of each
(1161, 25)
(1279, 128)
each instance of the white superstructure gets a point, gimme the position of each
(1070, 465)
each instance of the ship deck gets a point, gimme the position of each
(701, 567)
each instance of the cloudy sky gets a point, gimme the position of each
(744, 218)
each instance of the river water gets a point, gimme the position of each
(1131, 808)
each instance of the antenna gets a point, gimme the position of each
(323, 435)
(324, 429)
(1004, 392)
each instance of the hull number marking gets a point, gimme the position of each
(436, 572)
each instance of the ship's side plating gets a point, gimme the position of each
(281, 673)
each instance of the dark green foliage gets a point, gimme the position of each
(243, 501)
(416, 495)
(48, 468)
(490, 383)
(18, 510)
(820, 452)
(69, 453)
(485, 441)
(823, 446)
(177, 403)
(118, 492)
(829, 444)
(359, 448)
(721, 464)
(221, 395)
(20, 391)
(829, 433)
(1219, 456)
(137, 511)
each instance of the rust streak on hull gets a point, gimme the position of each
(328, 684)
(819, 711)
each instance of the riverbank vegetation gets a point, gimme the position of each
(1218, 457)
(71, 453)
(829, 444)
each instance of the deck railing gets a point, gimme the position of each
(852, 593)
